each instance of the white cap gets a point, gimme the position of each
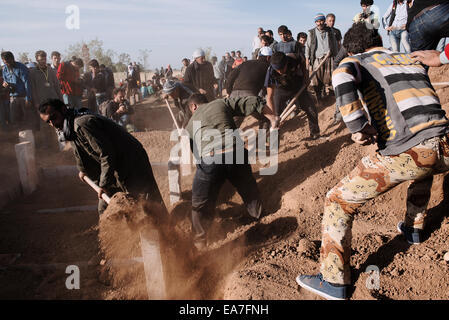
(265, 51)
(198, 53)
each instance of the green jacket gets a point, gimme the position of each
(107, 153)
(218, 115)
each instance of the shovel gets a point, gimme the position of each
(151, 253)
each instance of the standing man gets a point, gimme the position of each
(216, 166)
(16, 79)
(302, 40)
(256, 42)
(109, 78)
(330, 22)
(105, 152)
(95, 82)
(44, 85)
(238, 59)
(395, 22)
(71, 84)
(218, 74)
(55, 60)
(200, 75)
(283, 80)
(272, 42)
(185, 63)
(320, 41)
(411, 132)
(370, 18)
(287, 44)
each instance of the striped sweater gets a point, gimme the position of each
(401, 104)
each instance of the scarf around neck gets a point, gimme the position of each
(68, 132)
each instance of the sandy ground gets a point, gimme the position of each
(246, 260)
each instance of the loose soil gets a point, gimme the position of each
(246, 259)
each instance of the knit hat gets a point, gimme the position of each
(266, 52)
(170, 86)
(198, 53)
(319, 16)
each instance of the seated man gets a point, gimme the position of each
(411, 131)
(118, 110)
(220, 160)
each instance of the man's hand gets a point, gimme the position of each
(215, 86)
(367, 136)
(269, 114)
(202, 91)
(121, 110)
(5, 84)
(81, 176)
(100, 192)
(428, 57)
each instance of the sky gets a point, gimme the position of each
(170, 29)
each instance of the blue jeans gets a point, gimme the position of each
(396, 38)
(427, 30)
(208, 180)
(73, 101)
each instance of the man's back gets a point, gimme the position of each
(248, 76)
(401, 102)
(218, 115)
(101, 140)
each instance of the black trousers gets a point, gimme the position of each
(208, 180)
(304, 101)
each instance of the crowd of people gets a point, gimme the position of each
(384, 97)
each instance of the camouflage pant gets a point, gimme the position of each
(373, 176)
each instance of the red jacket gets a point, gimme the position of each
(69, 77)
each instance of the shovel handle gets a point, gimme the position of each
(104, 196)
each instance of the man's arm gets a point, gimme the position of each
(432, 58)
(347, 98)
(386, 16)
(25, 77)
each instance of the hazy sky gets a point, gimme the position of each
(171, 29)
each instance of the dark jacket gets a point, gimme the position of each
(110, 155)
(201, 76)
(250, 76)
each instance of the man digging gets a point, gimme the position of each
(411, 131)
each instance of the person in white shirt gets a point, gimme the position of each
(256, 42)
(395, 21)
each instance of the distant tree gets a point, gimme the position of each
(23, 57)
(208, 53)
(96, 51)
(143, 58)
(122, 64)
